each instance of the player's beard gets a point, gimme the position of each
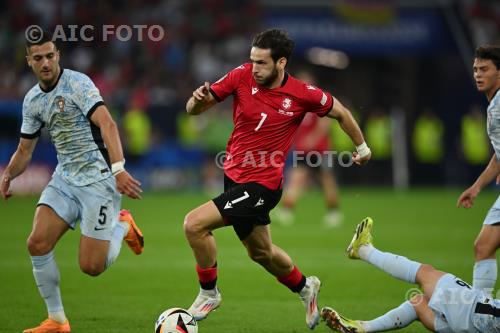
(49, 80)
(267, 82)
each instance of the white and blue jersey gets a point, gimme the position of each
(459, 308)
(486, 317)
(494, 123)
(65, 110)
(493, 127)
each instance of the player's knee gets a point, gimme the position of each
(189, 226)
(426, 269)
(482, 250)
(38, 246)
(192, 225)
(92, 268)
(425, 274)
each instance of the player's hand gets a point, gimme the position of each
(4, 187)
(201, 94)
(498, 180)
(356, 158)
(466, 199)
(127, 185)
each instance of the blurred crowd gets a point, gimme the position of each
(146, 83)
(148, 76)
(483, 19)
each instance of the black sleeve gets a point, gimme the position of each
(93, 108)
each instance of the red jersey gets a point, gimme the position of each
(265, 121)
(308, 126)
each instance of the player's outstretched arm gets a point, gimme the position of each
(18, 163)
(201, 100)
(351, 128)
(491, 172)
(125, 183)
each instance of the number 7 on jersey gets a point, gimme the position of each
(264, 116)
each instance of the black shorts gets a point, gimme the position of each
(245, 205)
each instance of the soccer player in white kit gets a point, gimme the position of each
(447, 304)
(87, 182)
(487, 76)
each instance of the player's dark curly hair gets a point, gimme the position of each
(277, 41)
(489, 52)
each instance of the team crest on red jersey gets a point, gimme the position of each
(287, 103)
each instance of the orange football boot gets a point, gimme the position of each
(134, 237)
(50, 326)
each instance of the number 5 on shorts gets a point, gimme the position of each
(102, 215)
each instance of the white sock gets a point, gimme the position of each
(58, 316)
(47, 280)
(399, 267)
(485, 275)
(119, 232)
(209, 292)
(364, 251)
(397, 318)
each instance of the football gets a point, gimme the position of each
(176, 320)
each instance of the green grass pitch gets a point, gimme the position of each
(421, 224)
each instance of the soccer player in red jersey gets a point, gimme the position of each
(268, 107)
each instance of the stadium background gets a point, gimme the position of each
(403, 67)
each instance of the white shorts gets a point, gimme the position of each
(487, 315)
(96, 205)
(493, 216)
(453, 302)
